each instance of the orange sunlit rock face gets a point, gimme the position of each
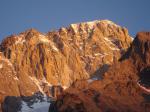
(124, 87)
(32, 61)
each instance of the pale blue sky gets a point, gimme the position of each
(45, 15)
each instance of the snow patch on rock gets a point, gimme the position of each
(75, 27)
(108, 22)
(98, 54)
(54, 48)
(109, 43)
(7, 61)
(19, 40)
(37, 84)
(39, 104)
(92, 79)
(16, 78)
(91, 24)
(45, 81)
(64, 87)
(43, 38)
(36, 107)
(142, 87)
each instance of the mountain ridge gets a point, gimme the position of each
(59, 58)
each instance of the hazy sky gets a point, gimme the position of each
(45, 15)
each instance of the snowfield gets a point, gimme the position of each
(39, 103)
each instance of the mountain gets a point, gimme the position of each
(124, 87)
(38, 62)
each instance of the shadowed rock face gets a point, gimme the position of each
(145, 77)
(39, 61)
(56, 90)
(124, 87)
(11, 104)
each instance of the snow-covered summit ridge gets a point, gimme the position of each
(91, 24)
(86, 26)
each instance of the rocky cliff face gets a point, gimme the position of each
(124, 87)
(11, 84)
(39, 61)
(68, 54)
(9, 80)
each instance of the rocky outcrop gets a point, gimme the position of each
(11, 84)
(56, 91)
(8, 79)
(124, 87)
(11, 104)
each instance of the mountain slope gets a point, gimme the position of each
(69, 54)
(59, 58)
(124, 87)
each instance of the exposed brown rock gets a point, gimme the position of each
(124, 88)
(11, 84)
(61, 57)
(69, 54)
(8, 79)
(56, 91)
